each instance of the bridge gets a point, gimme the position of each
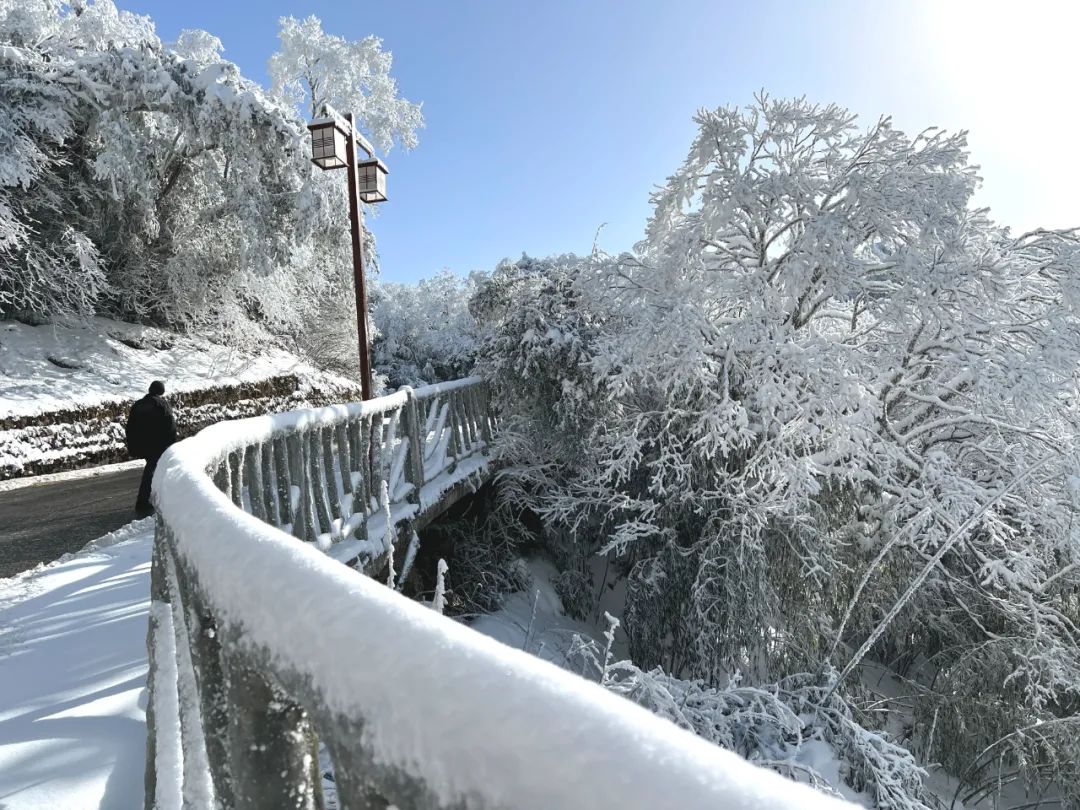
(269, 635)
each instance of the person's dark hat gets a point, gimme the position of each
(157, 388)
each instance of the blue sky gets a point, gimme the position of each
(546, 120)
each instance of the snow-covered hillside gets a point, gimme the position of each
(65, 389)
(58, 366)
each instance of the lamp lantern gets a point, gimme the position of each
(371, 176)
(328, 144)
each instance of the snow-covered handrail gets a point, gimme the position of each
(263, 646)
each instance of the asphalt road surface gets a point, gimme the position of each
(38, 523)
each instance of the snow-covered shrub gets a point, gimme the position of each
(426, 333)
(328, 336)
(539, 337)
(484, 558)
(774, 725)
(574, 587)
(825, 410)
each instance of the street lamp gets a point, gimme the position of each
(334, 140)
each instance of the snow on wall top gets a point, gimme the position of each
(103, 364)
(465, 714)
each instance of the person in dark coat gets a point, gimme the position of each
(150, 430)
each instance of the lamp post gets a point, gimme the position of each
(334, 141)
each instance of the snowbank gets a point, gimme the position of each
(535, 621)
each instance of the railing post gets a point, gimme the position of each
(198, 684)
(269, 740)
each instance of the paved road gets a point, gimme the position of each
(38, 523)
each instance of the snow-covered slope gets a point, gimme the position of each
(56, 366)
(65, 389)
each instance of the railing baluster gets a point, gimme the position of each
(389, 449)
(271, 491)
(283, 479)
(478, 416)
(236, 477)
(434, 457)
(344, 456)
(466, 421)
(352, 767)
(375, 457)
(397, 468)
(332, 488)
(316, 479)
(353, 428)
(253, 473)
(363, 456)
(484, 408)
(432, 414)
(303, 525)
(454, 448)
(386, 449)
(222, 479)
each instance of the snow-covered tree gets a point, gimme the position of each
(827, 410)
(154, 182)
(425, 330)
(315, 68)
(539, 333)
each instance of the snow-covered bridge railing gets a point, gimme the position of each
(263, 647)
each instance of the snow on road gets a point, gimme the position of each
(73, 675)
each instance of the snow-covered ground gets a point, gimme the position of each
(72, 678)
(55, 366)
(535, 621)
